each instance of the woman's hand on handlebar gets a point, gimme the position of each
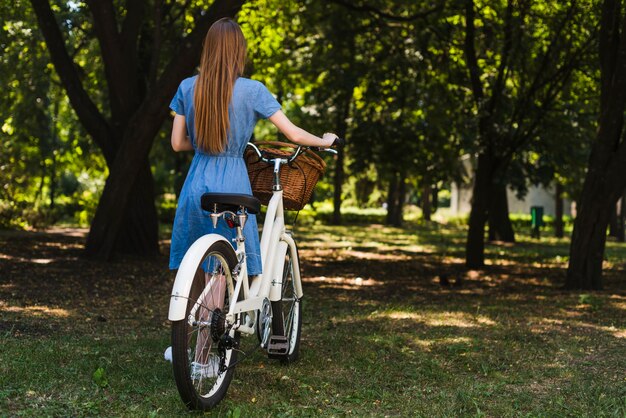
(333, 140)
(329, 139)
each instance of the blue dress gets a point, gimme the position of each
(222, 173)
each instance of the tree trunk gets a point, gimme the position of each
(395, 199)
(621, 219)
(342, 131)
(434, 199)
(426, 203)
(337, 187)
(139, 229)
(558, 215)
(605, 180)
(500, 227)
(475, 245)
(125, 205)
(616, 221)
(55, 144)
(399, 219)
(588, 243)
(613, 221)
(392, 200)
(601, 190)
(604, 185)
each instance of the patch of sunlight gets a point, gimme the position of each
(425, 344)
(428, 343)
(443, 319)
(473, 274)
(538, 281)
(37, 311)
(501, 262)
(344, 282)
(617, 332)
(455, 340)
(324, 245)
(362, 255)
(453, 260)
(403, 315)
(609, 265)
(41, 260)
(617, 302)
(570, 314)
(551, 321)
(26, 260)
(538, 325)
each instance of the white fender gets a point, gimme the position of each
(297, 280)
(186, 273)
(277, 272)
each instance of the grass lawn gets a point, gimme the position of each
(393, 326)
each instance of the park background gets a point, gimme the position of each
(414, 309)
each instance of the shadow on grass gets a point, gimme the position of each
(393, 325)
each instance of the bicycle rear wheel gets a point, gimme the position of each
(287, 313)
(203, 348)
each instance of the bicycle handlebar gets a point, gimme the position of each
(291, 157)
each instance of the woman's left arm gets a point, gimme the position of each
(180, 140)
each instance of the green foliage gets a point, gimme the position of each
(49, 170)
(99, 377)
(538, 95)
(392, 77)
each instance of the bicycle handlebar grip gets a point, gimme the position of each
(338, 142)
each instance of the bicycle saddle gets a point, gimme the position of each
(231, 202)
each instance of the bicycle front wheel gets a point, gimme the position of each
(287, 313)
(203, 346)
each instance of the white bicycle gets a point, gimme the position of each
(213, 304)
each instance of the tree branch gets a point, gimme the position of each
(156, 44)
(118, 70)
(541, 78)
(609, 44)
(172, 19)
(142, 128)
(185, 61)
(380, 13)
(85, 109)
(498, 86)
(555, 86)
(470, 53)
(132, 23)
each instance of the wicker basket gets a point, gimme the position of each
(298, 179)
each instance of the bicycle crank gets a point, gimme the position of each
(265, 321)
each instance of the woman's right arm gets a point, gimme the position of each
(299, 135)
(180, 140)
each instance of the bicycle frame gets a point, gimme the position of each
(225, 305)
(275, 242)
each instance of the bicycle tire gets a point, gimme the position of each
(287, 313)
(195, 349)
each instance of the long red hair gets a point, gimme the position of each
(223, 60)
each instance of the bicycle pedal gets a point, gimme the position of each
(277, 345)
